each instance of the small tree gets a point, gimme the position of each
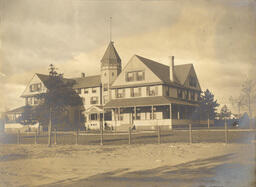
(208, 106)
(57, 99)
(225, 113)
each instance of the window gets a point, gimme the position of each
(120, 93)
(36, 100)
(152, 90)
(192, 81)
(94, 90)
(35, 87)
(113, 74)
(167, 93)
(94, 100)
(179, 93)
(86, 90)
(135, 76)
(105, 87)
(130, 76)
(139, 76)
(138, 116)
(94, 117)
(83, 100)
(193, 95)
(30, 101)
(135, 92)
(186, 92)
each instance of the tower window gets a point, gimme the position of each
(105, 74)
(113, 74)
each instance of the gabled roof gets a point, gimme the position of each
(163, 71)
(86, 82)
(160, 70)
(111, 56)
(182, 71)
(45, 78)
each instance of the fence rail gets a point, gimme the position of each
(188, 135)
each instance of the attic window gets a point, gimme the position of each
(192, 81)
(135, 76)
(35, 87)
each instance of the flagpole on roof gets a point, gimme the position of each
(110, 29)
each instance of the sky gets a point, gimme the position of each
(217, 36)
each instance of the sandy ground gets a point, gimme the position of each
(78, 165)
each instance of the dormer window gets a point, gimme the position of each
(35, 87)
(135, 76)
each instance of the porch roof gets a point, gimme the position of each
(146, 101)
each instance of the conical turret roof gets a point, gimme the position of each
(111, 56)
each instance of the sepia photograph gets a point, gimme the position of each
(139, 93)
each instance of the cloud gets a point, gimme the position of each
(216, 36)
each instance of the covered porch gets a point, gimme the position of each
(149, 112)
(95, 118)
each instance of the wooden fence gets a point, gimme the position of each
(189, 135)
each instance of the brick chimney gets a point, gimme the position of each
(171, 64)
(83, 75)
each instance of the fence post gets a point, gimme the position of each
(226, 132)
(55, 136)
(190, 133)
(76, 136)
(159, 135)
(130, 136)
(101, 135)
(36, 136)
(18, 137)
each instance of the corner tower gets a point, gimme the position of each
(111, 67)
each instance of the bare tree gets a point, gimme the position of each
(248, 96)
(237, 102)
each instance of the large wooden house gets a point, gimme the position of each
(143, 94)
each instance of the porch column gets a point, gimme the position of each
(103, 120)
(170, 110)
(98, 118)
(152, 112)
(135, 113)
(119, 113)
(178, 113)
